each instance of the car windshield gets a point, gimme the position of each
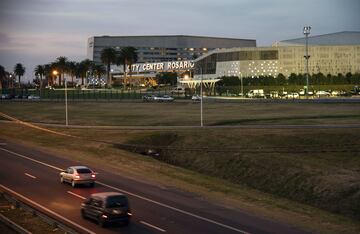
(83, 171)
(116, 201)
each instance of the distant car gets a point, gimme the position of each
(148, 98)
(178, 91)
(33, 97)
(302, 92)
(78, 175)
(196, 98)
(335, 93)
(345, 94)
(5, 96)
(322, 93)
(107, 207)
(292, 96)
(165, 98)
(274, 94)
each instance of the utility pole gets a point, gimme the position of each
(201, 98)
(66, 104)
(306, 33)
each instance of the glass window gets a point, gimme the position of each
(116, 201)
(83, 171)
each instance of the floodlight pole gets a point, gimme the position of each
(241, 85)
(66, 104)
(201, 98)
(306, 33)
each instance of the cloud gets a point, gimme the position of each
(40, 29)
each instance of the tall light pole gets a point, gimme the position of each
(201, 98)
(66, 104)
(241, 84)
(306, 33)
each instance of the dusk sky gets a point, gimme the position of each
(35, 32)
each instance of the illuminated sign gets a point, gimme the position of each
(162, 66)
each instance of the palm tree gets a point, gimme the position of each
(98, 70)
(71, 69)
(40, 71)
(83, 69)
(61, 65)
(128, 56)
(48, 74)
(2, 76)
(19, 71)
(108, 57)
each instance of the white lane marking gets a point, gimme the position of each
(140, 197)
(175, 209)
(31, 159)
(1, 143)
(76, 195)
(46, 209)
(152, 226)
(31, 176)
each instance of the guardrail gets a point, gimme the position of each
(14, 226)
(36, 211)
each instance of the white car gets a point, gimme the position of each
(33, 97)
(322, 93)
(178, 91)
(165, 98)
(292, 96)
(78, 175)
(196, 98)
(335, 93)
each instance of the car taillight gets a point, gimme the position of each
(77, 176)
(93, 175)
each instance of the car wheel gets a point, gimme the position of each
(61, 179)
(101, 222)
(83, 214)
(73, 184)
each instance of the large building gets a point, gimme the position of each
(163, 48)
(329, 54)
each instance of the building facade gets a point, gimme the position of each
(329, 54)
(163, 48)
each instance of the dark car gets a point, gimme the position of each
(106, 208)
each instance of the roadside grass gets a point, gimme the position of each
(292, 120)
(193, 175)
(25, 219)
(184, 113)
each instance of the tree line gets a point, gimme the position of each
(80, 70)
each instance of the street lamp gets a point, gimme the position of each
(241, 85)
(66, 104)
(55, 73)
(306, 33)
(201, 97)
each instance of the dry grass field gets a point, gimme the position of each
(184, 113)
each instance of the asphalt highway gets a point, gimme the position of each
(34, 175)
